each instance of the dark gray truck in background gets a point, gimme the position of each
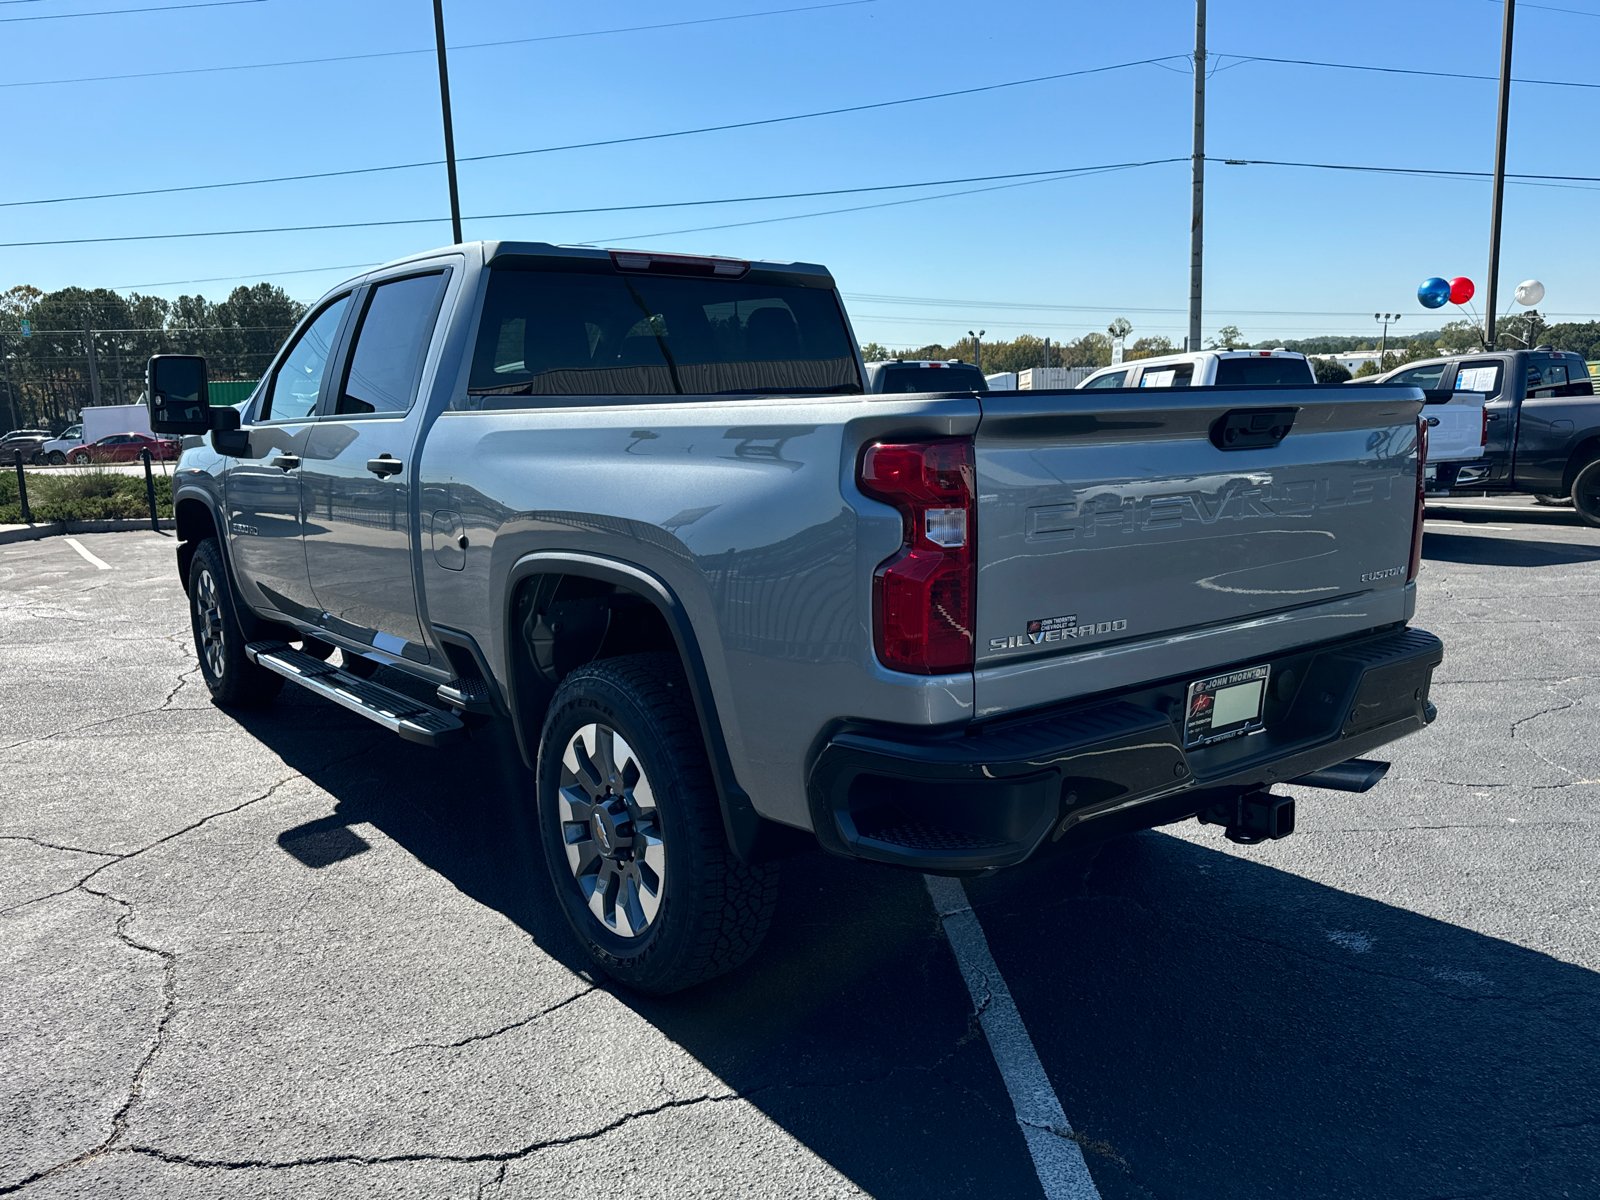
(639, 507)
(1542, 435)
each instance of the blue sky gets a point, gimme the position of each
(1289, 252)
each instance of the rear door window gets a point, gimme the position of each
(1113, 380)
(1543, 373)
(547, 333)
(1478, 377)
(391, 342)
(1177, 375)
(1263, 372)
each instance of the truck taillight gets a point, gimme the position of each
(1415, 565)
(923, 596)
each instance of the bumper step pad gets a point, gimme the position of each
(411, 719)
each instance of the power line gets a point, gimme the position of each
(118, 12)
(1423, 171)
(1309, 62)
(339, 58)
(647, 137)
(565, 212)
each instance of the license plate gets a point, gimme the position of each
(1225, 706)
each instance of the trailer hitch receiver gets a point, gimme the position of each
(1253, 817)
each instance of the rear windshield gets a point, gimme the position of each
(1260, 372)
(933, 379)
(552, 334)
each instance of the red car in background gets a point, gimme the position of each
(124, 447)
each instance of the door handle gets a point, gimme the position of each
(385, 465)
(286, 462)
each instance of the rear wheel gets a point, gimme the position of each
(632, 830)
(1586, 494)
(218, 639)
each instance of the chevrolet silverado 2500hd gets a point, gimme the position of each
(639, 507)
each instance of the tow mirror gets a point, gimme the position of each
(178, 398)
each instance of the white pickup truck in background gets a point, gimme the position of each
(1458, 429)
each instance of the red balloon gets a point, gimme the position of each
(1461, 290)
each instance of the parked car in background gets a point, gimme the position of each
(55, 450)
(1209, 368)
(902, 375)
(26, 440)
(124, 447)
(1542, 423)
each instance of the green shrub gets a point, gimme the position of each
(87, 495)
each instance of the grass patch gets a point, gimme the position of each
(85, 494)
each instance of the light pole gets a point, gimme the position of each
(1499, 172)
(977, 350)
(1383, 342)
(449, 132)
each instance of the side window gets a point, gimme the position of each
(1542, 374)
(298, 381)
(1478, 377)
(1421, 377)
(1180, 375)
(391, 342)
(1114, 379)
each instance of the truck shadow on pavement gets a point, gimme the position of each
(1214, 1026)
(1503, 552)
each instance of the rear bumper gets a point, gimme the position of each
(991, 795)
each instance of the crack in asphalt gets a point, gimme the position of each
(189, 828)
(494, 1033)
(22, 837)
(183, 679)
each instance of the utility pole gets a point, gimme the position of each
(977, 347)
(449, 132)
(94, 368)
(1499, 173)
(1383, 342)
(1197, 224)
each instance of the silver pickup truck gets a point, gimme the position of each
(638, 507)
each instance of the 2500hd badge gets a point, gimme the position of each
(1056, 629)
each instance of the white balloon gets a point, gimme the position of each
(1529, 292)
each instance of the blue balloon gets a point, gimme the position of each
(1434, 293)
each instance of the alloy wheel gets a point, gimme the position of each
(208, 615)
(611, 830)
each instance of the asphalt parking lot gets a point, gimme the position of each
(283, 953)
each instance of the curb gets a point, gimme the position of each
(44, 529)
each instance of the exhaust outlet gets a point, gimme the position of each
(1356, 775)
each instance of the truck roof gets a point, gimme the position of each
(508, 253)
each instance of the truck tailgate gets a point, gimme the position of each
(1110, 519)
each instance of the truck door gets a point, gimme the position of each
(262, 489)
(1545, 423)
(1488, 375)
(357, 473)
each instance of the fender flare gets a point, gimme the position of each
(751, 836)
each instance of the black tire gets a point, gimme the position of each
(711, 910)
(80, 460)
(1586, 494)
(1554, 501)
(233, 680)
(57, 459)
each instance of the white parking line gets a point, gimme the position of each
(78, 546)
(1468, 525)
(1057, 1159)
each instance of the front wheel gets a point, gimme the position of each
(218, 640)
(80, 460)
(57, 458)
(1586, 494)
(632, 830)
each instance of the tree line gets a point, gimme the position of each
(86, 343)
